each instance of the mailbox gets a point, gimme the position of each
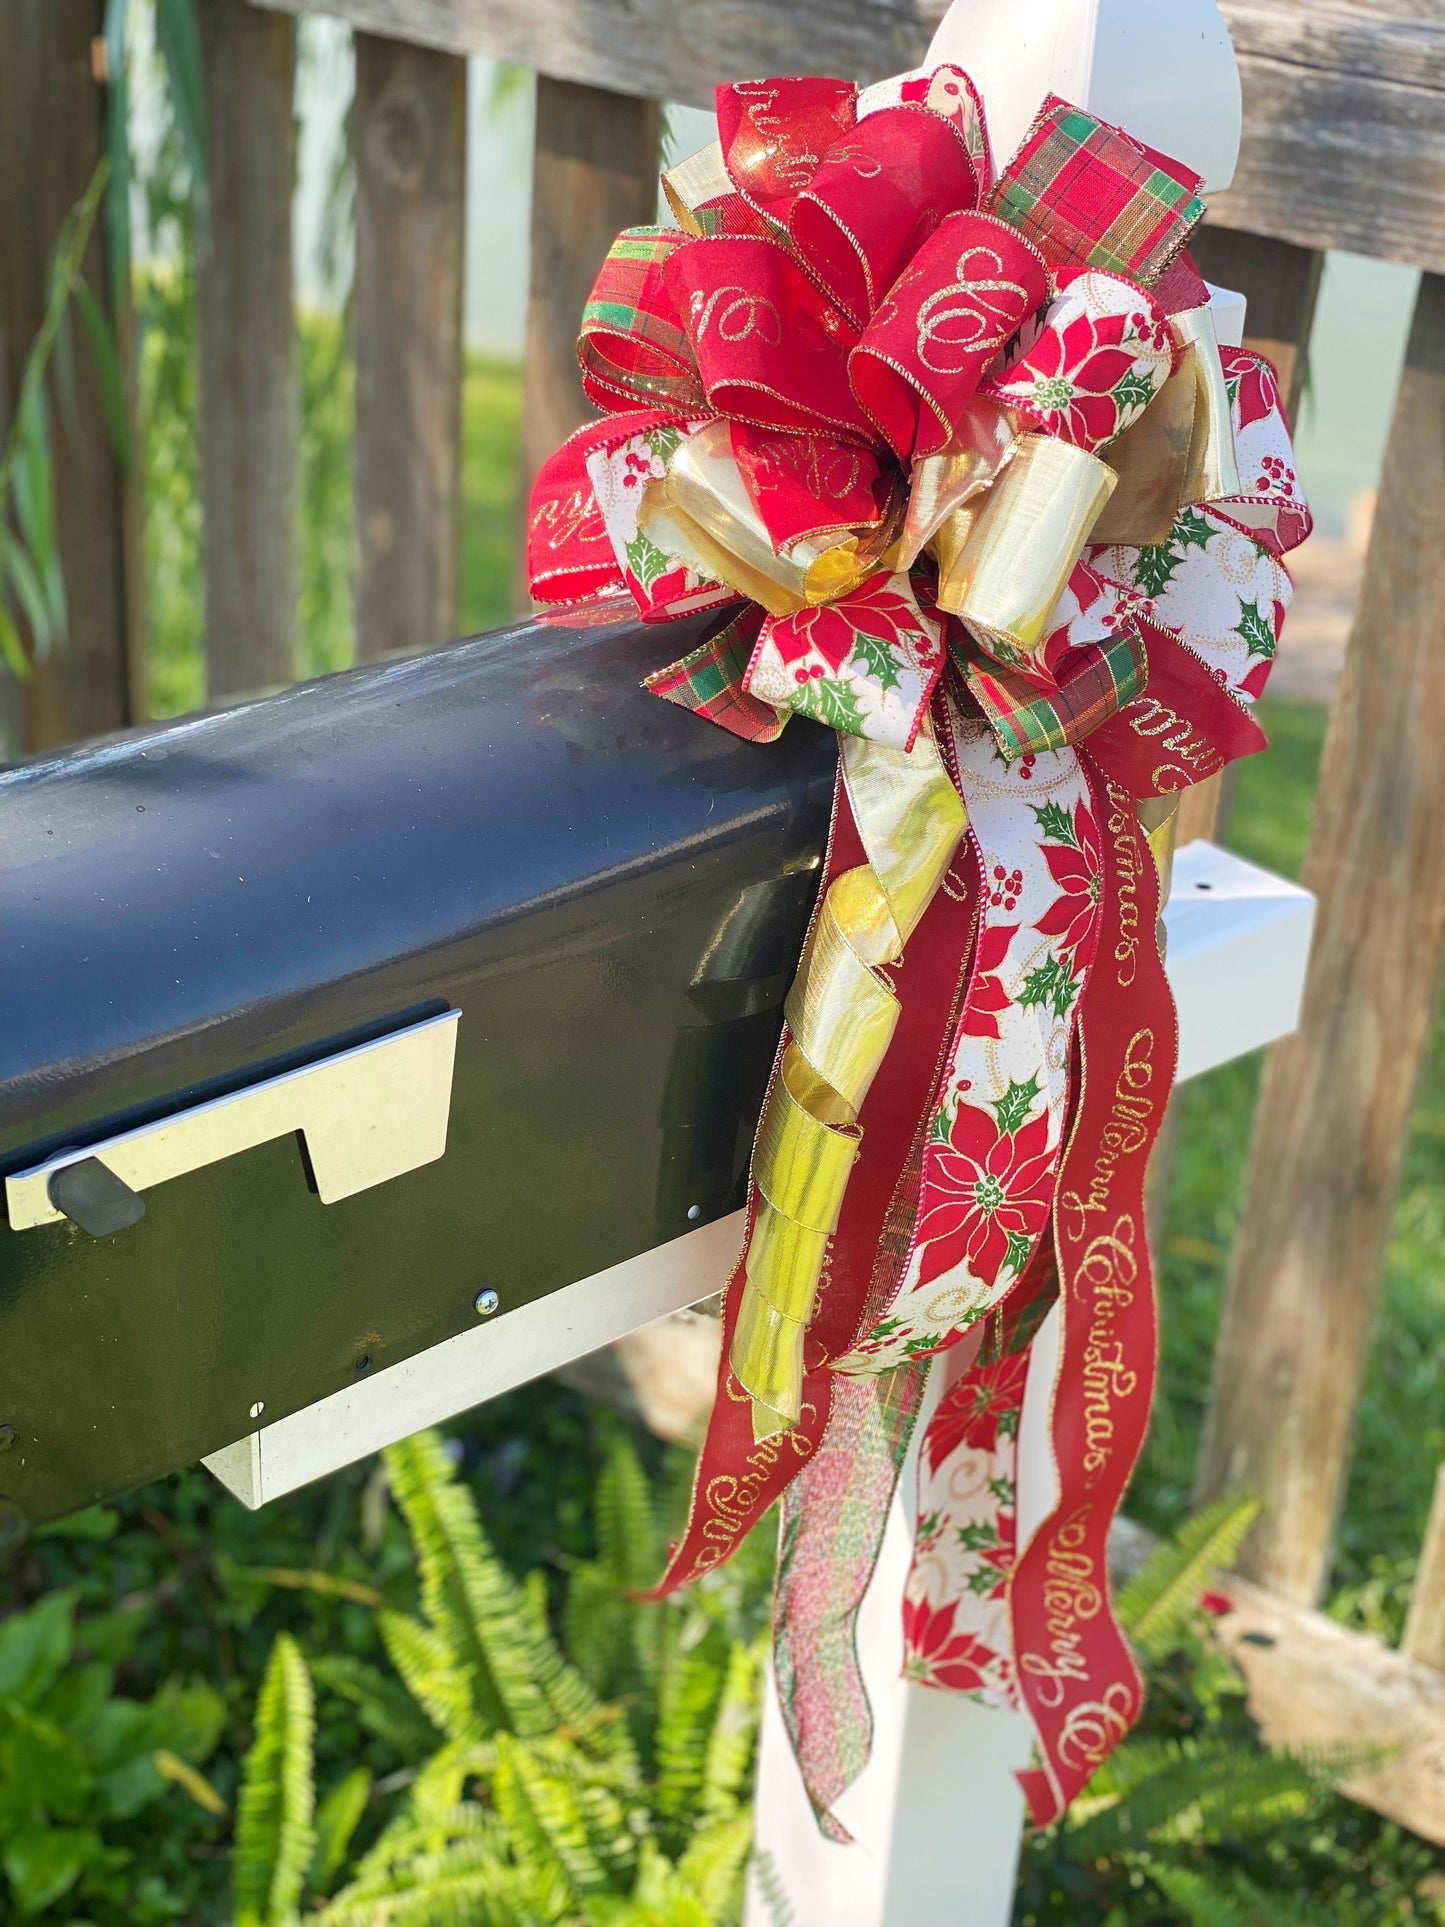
(336, 1023)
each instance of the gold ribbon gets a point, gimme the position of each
(702, 514)
(841, 1014)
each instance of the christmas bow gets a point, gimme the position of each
(961, 465)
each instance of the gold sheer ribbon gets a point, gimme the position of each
(841, 1013)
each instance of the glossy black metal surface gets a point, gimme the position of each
(611, 891)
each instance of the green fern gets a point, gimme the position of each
(612, 1640)
(545, 1822)
(478, 1616)
(382, 1704)
(1193, 1791)
(1206, 1900)
(534, 1809)
(715, 1863)
(690, 1689)
(425, 1660)
(728, 1763)
(1164, 1595)
(275, 1838)
(628, 1539)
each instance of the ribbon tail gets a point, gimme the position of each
(1075, 1672)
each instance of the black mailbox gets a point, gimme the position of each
(237, 955)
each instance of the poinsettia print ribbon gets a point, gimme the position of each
(952, 451)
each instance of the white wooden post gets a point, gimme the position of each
(937, 1817)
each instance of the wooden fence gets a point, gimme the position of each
(1344, 147)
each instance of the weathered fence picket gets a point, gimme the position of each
(409, 141)
(249, 401)
(52, 109)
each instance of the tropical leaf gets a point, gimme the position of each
(117, 151)
(27, 464)
(275, 1837)
(337, 1819)
(190, 1779)
(1163, 1596)
(107, 370)
(178, 42)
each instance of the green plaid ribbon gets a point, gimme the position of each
(1086, 194)
(843, 1496)
(709, 682)
(633, 346)
(1028, 716)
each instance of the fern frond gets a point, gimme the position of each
(715, 1863)
(1199, 1791)
(1164, 1594)
(274, 1833)
(768, 1882)
(383, 1707)
(427, 1664)
(544, 1818)
(628, 1539)
(466, 1884)
(728, 1764)
(689, 1693)
(411, 1837)
(661, 1897)
(598, 1628)
(519, 1680)
(1216, 1901)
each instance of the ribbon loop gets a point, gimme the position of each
(945, 321)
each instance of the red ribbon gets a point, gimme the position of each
(1074, 1668)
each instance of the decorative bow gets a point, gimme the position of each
(961, 465)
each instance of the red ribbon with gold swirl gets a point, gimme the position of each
(959, 462)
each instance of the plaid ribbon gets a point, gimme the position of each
(709, 682)
(845, 1490)
(633, 346)
(1094, 681)
(1083, 190)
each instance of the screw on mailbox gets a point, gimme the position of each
(486, 1303)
